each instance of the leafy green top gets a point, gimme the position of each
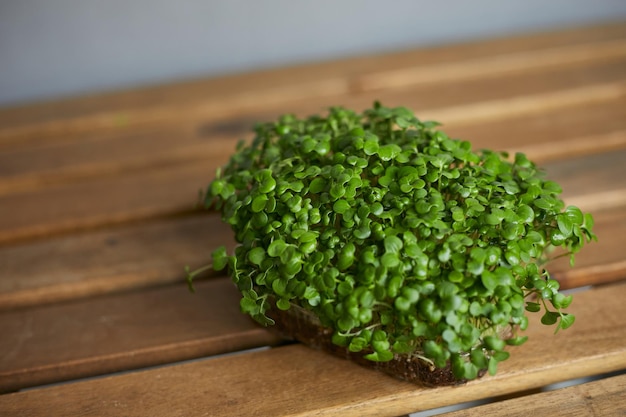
(402, 240)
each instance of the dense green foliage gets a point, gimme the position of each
(402, 240)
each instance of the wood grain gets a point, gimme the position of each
(512, 63)
(599, 185)
(122, 332)
(297, 381)
(581, 129)
(105, 201)
(103, 154)
(606, 397)
(108, 261)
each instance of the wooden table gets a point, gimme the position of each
(98, 220)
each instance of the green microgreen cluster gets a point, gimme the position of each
(402, 240)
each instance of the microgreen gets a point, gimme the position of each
(399, 238)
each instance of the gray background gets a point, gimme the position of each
(56, 48)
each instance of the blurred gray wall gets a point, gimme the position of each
(55, 48)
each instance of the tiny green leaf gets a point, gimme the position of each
(256, 256)
(341, 206)
(549, 318)
(220, 258)
(566, 321)
(276, 248)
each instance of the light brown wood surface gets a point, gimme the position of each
(605, 397)
(590, 78)
(107, 261)
(296, 380)
(122, 332)
(108, 200)
(98, 219)
(123, 150)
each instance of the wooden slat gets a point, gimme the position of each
(108, 261)
(423, 98)
(591, 182)
(532, 105)
(105, 201)
(105, 154)
(573, 131)
(510, 63)
(219, 97)
(295, 380)
(606, 397)
(122, 332)
(531, 101)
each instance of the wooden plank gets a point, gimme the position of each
(297, 381)
(225, 95)
(532, 105)
(122, 332)
(591, 182)
(572, 131)
(510, 63)
(311, 71)
(108, 261)
(105, 201)
(100, 154)
(605, 397)
(114, 154)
